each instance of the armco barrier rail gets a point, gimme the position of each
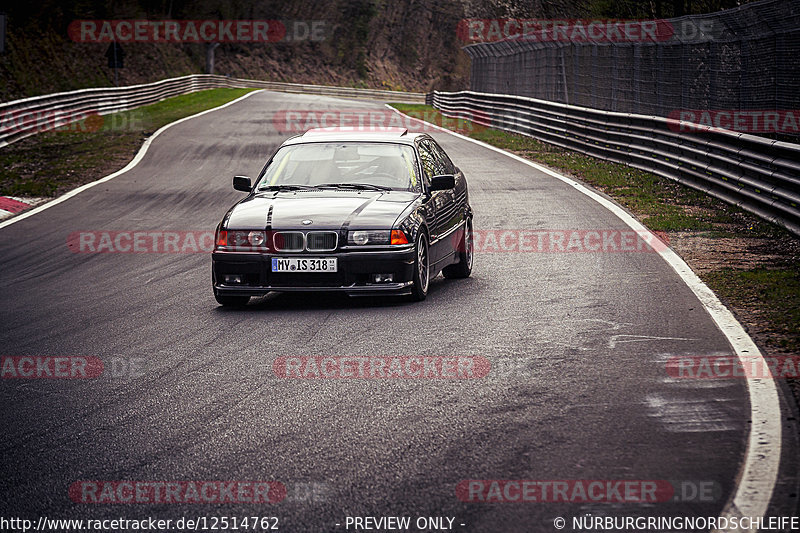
(22, 118)
(757, 174)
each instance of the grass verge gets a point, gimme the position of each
(53, 162)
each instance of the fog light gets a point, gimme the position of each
(233, 279)
(382, 278)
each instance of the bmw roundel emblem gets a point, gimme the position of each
(307, 222)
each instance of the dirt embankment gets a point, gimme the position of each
(403, 45)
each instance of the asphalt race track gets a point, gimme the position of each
(578, 343)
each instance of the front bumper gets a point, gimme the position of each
(355, 271)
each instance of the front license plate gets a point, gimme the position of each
(304, 264)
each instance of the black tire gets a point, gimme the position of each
(231, 300)
(463, 268)
(422, 269)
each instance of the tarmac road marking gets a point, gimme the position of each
(759, 471)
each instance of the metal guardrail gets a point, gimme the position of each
(343, 92)
(759, 175)
(22, 118)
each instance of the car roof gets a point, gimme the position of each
(355, 134)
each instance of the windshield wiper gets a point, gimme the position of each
(357, 186)
(285, 187)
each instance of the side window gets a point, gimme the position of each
(432, 159)
(427, 159)
(444, 161)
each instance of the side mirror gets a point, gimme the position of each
(443, 182)
(242, 183)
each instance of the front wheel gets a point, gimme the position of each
(465, 250)
(422, 270)
(231, 300)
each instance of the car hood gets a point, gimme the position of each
(326, 210)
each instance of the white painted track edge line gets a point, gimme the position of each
(132, 164)
(758, 474)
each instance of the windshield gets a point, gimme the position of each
(345, 165)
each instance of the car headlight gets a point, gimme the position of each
(241, 239)
(256, 238)
(362, 237)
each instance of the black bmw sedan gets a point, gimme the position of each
(380, 211)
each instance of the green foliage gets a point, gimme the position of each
(775, 291)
